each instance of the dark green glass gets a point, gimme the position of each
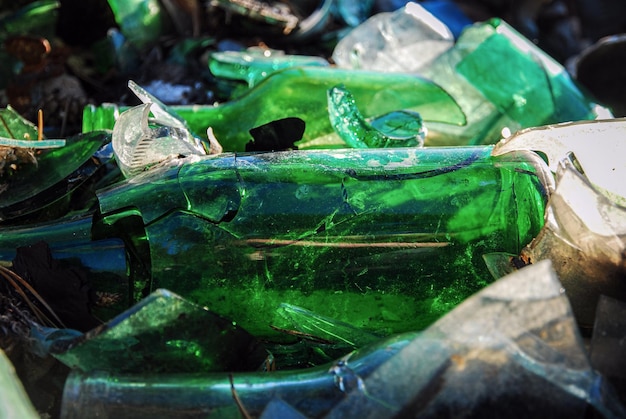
(46, 187)
(386, 240)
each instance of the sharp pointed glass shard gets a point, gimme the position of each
(140, 141)
(402, 41)
(517, 338)
(584, 237)
(395, 129)
(162, 333)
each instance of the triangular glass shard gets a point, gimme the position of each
(162, 333)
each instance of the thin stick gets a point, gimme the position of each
(40, 125)
(8, 272)
(242, 409)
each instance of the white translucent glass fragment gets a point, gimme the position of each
(405, 40)
(599, 148)
(140, 141)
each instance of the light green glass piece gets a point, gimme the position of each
(302, 92)
(140, 20)
(14, 402)
(32, 144)
(162, 333)
(502, 81)
(15, 126)
(395, 129)
(368, 237)
(255, 64)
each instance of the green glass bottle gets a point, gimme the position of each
(386, 240)
(302, 92)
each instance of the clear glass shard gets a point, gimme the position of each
(585, 237)
(598, 147)
(405, 40)
(326, 328)
(517, 338)
(139, 142)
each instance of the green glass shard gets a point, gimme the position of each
(162, 333)
(394, 129)
(504, 83)
(15, 126)
(25, 189)
(253, 65)
(140, 20)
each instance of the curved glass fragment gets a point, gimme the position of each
(395, 129)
